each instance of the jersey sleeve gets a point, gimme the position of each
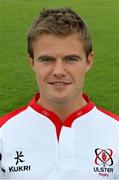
(1, 173)
(118, 154)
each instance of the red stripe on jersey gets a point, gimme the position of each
(5, 118)
(114, 116)
(55, 119)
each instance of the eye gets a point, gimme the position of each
(46, 59)
(72, 59)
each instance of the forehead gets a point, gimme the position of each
(48, 43)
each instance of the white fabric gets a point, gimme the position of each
(41, 156)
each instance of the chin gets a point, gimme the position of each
(60, 100)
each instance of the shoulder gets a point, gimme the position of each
(10, 115)
(108, 113)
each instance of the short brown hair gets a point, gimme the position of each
(61, 22)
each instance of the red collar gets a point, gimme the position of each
(55, 119)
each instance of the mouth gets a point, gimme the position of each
(59, 84)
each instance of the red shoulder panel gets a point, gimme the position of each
(109, 113)
(5, 118)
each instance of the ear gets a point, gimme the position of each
(31, 61)
(90, 59)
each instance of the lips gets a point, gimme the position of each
(59, 84)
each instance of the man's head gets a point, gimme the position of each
(60, 22)
(60, 53)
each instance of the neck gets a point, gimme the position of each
(63, 110)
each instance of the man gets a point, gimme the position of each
(60, 134)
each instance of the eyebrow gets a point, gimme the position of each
(67, 56)
(44, 56)
(73, 56)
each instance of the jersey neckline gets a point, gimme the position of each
(54, 117)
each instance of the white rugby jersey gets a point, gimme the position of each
(35, 144)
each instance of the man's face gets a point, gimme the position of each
(60, 66)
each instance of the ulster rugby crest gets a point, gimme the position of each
(104, 162)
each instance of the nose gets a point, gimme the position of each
(59, 68)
